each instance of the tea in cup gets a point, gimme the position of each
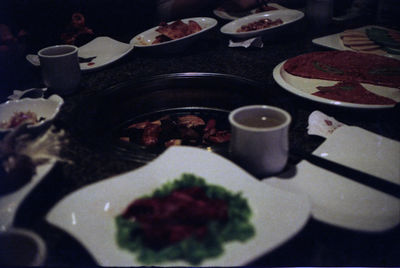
(260, 138)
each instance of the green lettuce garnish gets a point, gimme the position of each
(194, 251)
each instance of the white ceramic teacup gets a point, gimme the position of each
(260, 138)
(60, 68)
(21, 248)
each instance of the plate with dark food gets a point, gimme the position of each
(25, 160)
(141, 118)
(229, 12)
(188, 207)
(261, 24)
(174, 35)
(193, 126)
(342, 78)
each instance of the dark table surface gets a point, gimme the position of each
(317, 244)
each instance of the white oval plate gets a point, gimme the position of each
(89, 213)
(145, 39)
(304, 87)
(105, 50)
(286, 15)
(341, 201)
(231, 15)
(46, 108)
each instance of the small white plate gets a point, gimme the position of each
(105, 50)
(333, 41)
(304, 87)
(286, 15)
(145, 39)
(89, 213)
(46, 108)
(9, 203)
(231, 15)
(341, 201)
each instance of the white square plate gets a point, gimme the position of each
(89, 213)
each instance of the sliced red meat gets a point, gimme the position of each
(351, 92)
(346, 66)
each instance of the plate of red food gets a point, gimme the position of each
(188, 207)
(174, 35)
(229, 12)
(342, 78)
(261, 23)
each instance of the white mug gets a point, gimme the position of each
(60, 68)
(260, 138)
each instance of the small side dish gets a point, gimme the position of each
(185, 219)
(173, 36)
(176, 30)
(265, 24)
(37, 113)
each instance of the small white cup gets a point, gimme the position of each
(260, 138)
(22, 248)
(60, 68)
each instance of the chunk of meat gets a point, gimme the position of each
(190, 121)
(150, 134)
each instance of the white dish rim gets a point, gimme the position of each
(287, 86)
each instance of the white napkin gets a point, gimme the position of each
(253, 42)
(340, 201)
(322, 125)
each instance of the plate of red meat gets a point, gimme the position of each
(174, 35)
(342, 78)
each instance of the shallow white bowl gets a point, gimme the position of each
(104, 49)
(46, 108)
(286, 15)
